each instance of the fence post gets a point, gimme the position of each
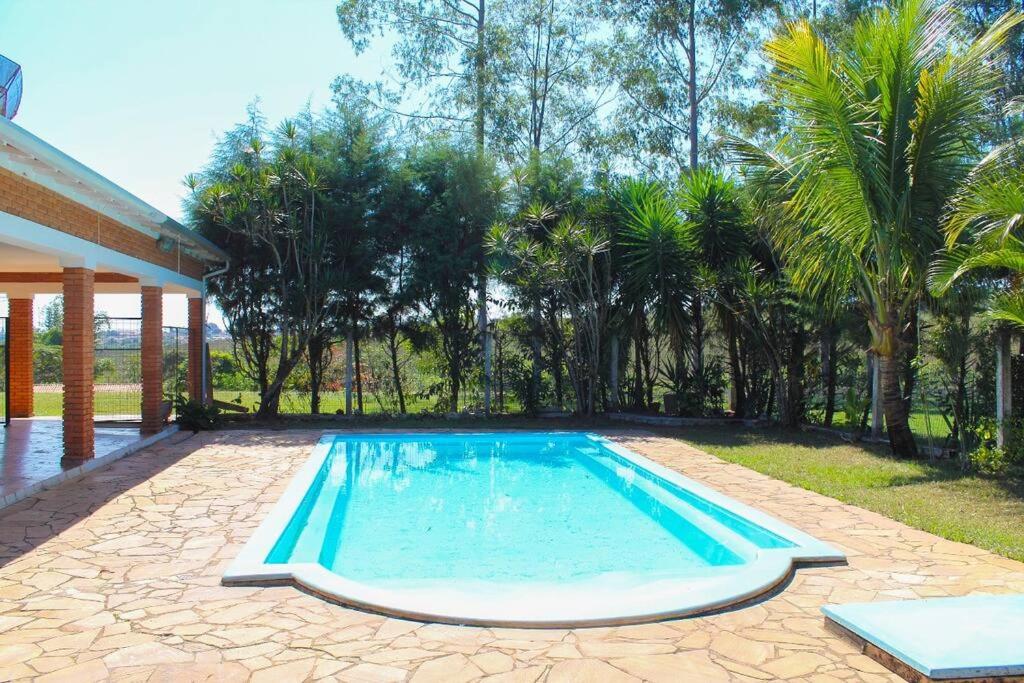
(1004, 387)
(875, 370)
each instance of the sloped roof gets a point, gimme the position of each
(23, 153)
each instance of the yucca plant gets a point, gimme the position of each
(881, 138)
(657, 253)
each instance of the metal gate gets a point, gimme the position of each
(118, 369)
(5, 375)
(175, 369)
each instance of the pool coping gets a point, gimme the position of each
(769, 569)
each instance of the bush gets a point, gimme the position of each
(194, 415)
(989, 459)
(986, 456)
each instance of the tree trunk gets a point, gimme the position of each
(453, 379)
(901, 439)
(535, 362)
(739, 390)
(638, 373)
(698, 348)
(315, 356)
(795, 378)
(691, 85)
(359, 368)
(480, 79)
(909, 355)
(828, 371)
(396, 375)
(270, 404)
(348, 372)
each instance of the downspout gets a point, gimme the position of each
(202, 331)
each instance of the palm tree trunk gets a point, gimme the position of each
(894, 406)
(910, 351)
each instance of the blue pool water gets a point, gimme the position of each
(529, 508)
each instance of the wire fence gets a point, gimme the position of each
(374, 387)
(175, 361)
(117, 373)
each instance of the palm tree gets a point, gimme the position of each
(710, 202)
(985, 231)
(881, 138)
(657, 255)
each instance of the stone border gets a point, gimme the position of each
(86, 467)
(669, 421)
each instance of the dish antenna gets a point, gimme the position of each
(10, 87)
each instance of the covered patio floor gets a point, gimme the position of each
(30, 453)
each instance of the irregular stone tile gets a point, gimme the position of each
(146, 654)
(293, 671)
(795, 665)
(372, 673)
(454, 668)
(677, 667)
(86, 672)
(588, 671)
(494, 662)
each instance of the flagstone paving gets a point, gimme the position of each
(117, 577)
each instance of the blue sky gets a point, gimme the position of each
(139, 89)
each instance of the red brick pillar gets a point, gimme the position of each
(195, 348)
(152, 359)
(79, 363)
(20, 336)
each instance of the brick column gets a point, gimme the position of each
(20, 336)
(152, 359)
(195, 348)
(79, 363)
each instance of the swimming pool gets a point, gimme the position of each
(514, 528)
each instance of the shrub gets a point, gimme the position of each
(195, 415)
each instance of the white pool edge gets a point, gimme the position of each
(539, 606)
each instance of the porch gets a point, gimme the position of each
(66, 230)
(28, 447)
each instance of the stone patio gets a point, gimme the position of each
(117, 576)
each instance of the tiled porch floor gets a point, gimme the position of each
(30, 450)
(117, 577)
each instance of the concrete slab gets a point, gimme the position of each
(975, 636)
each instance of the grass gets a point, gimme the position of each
(924, 425)
(986, 511)
(50, 403)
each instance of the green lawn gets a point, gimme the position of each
(924, 425)
(936, 497)
(50, 404)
